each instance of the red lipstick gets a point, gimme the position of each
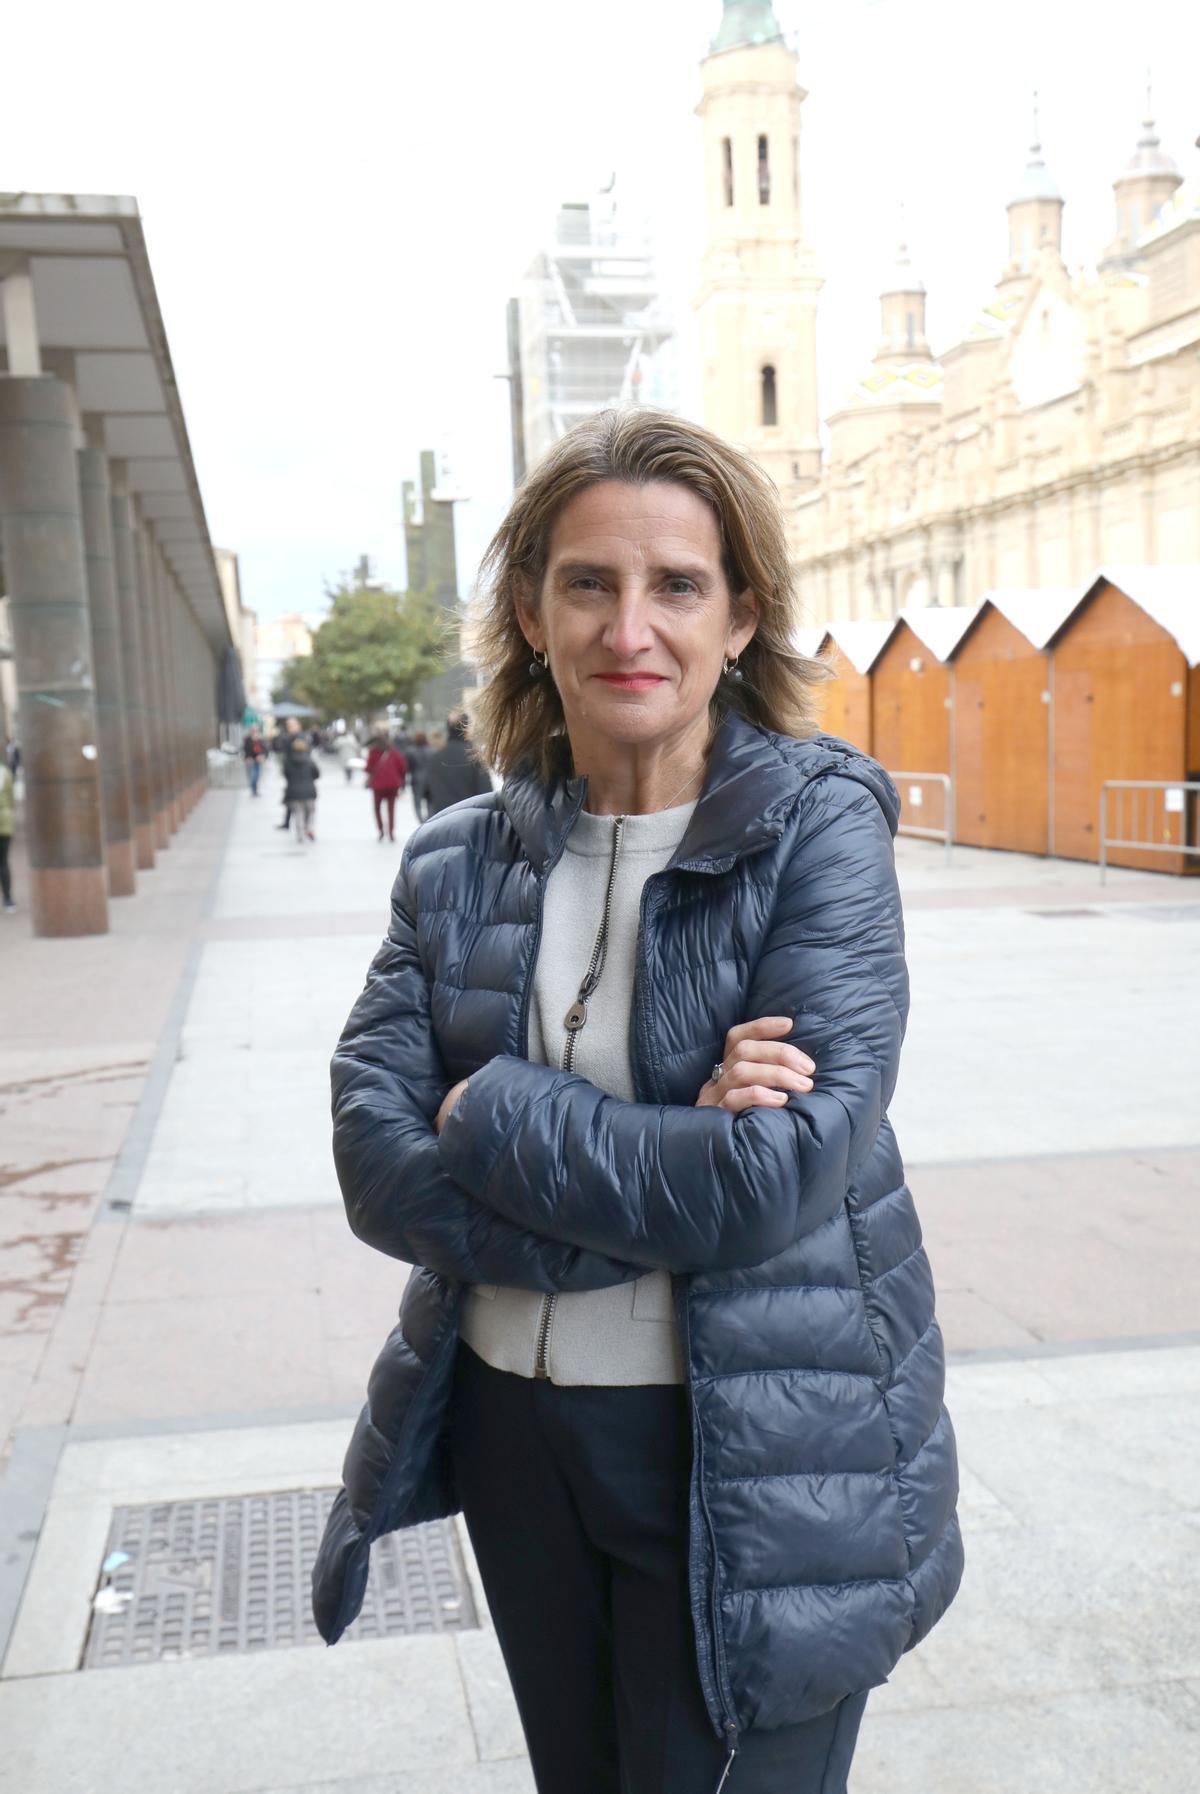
(631, 681)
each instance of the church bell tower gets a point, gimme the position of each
(756, 299)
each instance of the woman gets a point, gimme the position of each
(417, 754)
(386, 772)
(301, 772)
(254, 750)
(618, 1082)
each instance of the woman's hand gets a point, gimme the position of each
(758, 1069)
(448, 1101)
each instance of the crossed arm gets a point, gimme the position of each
(540, 1180)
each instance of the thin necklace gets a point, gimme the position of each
(682, 788)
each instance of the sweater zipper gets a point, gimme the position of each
(710, 1664)
(574, 1020)
(728, 1726)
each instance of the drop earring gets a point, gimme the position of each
(539, 664)
(731, 670)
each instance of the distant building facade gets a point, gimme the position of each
(277, 641)
(756, 300)
(243, 624)
(1060, 432)
(593, 328)
(431, 558)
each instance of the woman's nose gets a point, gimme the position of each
(627, 631)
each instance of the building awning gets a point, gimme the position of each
(100, 329)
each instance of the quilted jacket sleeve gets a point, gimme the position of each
(388, 1083)
(698, 1189)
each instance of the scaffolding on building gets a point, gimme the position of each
(595, 329)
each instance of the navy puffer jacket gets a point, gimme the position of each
(823, 1535)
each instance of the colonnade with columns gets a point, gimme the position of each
(116, 680)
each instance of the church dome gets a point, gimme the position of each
(1036, 181)
(902, 277)
(1149, 158)
(745, 23)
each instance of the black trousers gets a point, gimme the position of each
(576, 1503)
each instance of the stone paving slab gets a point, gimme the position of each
(479, 1778)
(1074, 1246)
(251, 1312)
(1103, 1741)
(1029, 1036)
(230, 1725)
(975, 874)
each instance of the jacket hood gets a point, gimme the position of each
(752, 781)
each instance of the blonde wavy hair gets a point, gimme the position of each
(519, 720)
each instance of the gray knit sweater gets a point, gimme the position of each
(628, 1334)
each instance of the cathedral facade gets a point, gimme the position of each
(1061, 432)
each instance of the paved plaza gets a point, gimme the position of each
(184, 1314)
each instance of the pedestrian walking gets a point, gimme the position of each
(8, 823)
(386, 773)
(283, 748)
(672, 1346)
(347, 750)
(254, 749)
(302, 772)
(453, 771)
(417, 753)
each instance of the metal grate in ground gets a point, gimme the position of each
(231, 1573)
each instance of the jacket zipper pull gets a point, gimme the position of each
(576, 1016)
(728, 1765)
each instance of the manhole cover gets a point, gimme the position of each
(231, 1573)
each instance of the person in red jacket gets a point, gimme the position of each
(387, 769)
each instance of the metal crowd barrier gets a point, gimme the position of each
(1150, 813)
(918, 780)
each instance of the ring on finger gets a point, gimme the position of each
(717, 1072)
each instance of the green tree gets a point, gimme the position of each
(376, 647)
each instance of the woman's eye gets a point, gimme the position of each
(681, 588)
(586, 582)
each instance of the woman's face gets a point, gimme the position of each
(635, 612)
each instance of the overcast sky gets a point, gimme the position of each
(339, 198)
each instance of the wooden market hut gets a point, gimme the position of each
(852, 647)
(1001, 719)
(911, 703)
(1126, 705)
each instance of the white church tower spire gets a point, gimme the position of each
(757, 294)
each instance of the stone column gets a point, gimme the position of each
(179, 685)
(193, 656)
(47, 591)
(162, 594)
(155, 707)
(134, 668)
(95, 493)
